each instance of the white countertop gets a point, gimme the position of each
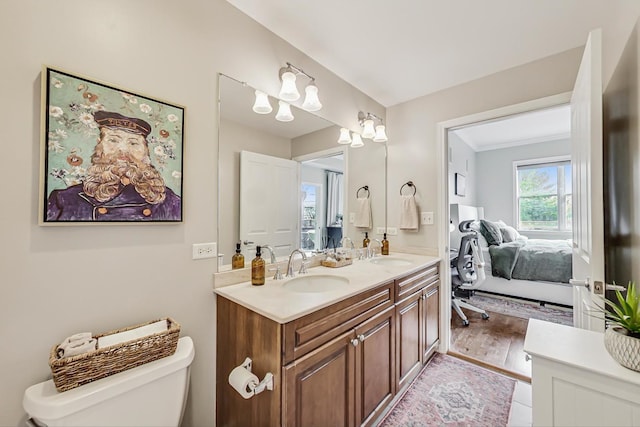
(275, 302)
(575, 347)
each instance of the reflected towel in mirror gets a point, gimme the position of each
(363, 213)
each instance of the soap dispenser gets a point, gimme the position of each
(365, 242)
(237, 261)
(257, 269)
(385, 245)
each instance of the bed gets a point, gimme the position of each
(535, 269)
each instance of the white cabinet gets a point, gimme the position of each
(575, 382)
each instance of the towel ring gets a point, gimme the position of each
(409, 184)
(365, 188)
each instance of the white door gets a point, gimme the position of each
(272, 184)
(586, 163)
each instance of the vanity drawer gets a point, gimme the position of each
(407, 285)
(307, 333)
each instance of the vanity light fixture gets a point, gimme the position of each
(345, 136)
(284, 112)
(262, 105)
(356, 141)
(289, 91)
(378, 133)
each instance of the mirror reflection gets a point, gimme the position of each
(287, 184)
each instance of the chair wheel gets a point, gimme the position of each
(465, 323)
(485, 316)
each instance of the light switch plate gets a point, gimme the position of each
(426, 218)
(352, 217)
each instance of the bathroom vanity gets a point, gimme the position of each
(339, 356)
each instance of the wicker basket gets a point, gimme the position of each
(71, 372)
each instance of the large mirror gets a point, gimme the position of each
(289, 184)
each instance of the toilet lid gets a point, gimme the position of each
(43, 401)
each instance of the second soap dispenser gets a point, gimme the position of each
(257, 269)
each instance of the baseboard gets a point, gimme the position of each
(494, 368)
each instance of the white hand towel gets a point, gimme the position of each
(81, 336)
(409, 213)
(363, 213)
(77, 347)
(132, 334)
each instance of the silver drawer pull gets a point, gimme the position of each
(361, 337)
(355, 342)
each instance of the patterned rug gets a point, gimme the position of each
(452, 392)
(522, 309)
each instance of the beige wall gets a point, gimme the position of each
(413, 153)
(59, 280)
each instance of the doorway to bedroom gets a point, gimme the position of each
(509, 192)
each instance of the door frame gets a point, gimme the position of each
(342, 149)
(442, 147)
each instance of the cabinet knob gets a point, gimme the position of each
(354, 342)
(361, 337)
(424, 296)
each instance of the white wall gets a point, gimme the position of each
(495, 182)
(462, 160)
(59, 280)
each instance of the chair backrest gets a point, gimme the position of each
(463, 266)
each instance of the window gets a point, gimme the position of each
(543, 196)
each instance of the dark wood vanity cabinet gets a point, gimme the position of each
(338, 366)
(417, 322)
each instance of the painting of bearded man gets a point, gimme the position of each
(121, 184)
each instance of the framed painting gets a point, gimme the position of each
(109, 155)
(460, 185)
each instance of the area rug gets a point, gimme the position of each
(453, 392)
(521, 309)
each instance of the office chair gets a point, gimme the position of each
(463, 271)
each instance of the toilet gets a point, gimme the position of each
(153, 394)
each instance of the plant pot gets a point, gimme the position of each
(624, 348)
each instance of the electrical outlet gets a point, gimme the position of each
(426, 218)
(352, 217)
(204, 250)
(392, 231)
(380, 230)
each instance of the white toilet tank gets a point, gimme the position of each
(153, 394)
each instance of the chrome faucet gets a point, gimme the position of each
(278, 274)
(273, 255)
(371, 253)
(303, 267)
(344, 239)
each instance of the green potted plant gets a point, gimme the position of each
(622, 336)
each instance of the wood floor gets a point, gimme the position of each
(496, 343)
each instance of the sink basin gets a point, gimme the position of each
(316, 283)
(385, 260)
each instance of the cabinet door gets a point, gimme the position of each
(409, 339)
(375, 367)
(319, 387)
(431, 320)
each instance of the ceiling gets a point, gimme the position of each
(549, 124)
(399, 50)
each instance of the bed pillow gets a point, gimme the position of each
(491, 232)
(503, 259)
(509, 234)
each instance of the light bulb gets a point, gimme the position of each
(380, 136)
(262, 105)
(345, 136)
(284, 112)
(289, 91)
(311, 100)
(368, 131)
(357, 141)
